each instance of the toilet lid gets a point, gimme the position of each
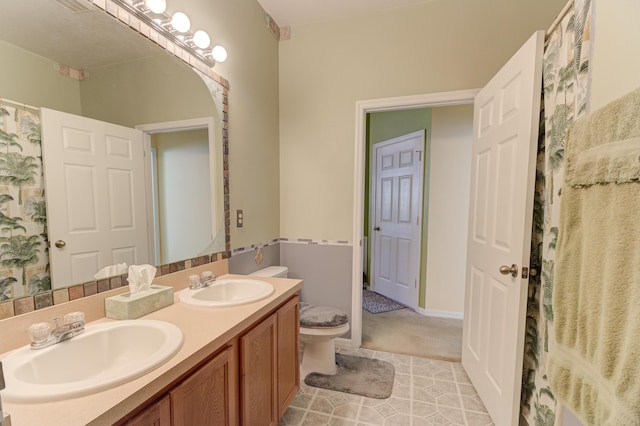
(312, 316)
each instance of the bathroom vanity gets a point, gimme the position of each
(237, 365)
(253, 378)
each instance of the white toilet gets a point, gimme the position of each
(319, 326)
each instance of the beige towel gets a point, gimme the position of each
(594, 366)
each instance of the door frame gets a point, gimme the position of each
(429, 100)
(170, 127)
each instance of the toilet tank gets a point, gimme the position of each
(272, 271)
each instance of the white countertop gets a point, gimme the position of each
(205, 331)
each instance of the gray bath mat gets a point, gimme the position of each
(377, 303)
(357, 375)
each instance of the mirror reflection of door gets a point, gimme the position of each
(95, 192)
(181, 191)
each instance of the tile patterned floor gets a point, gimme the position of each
(425, 392)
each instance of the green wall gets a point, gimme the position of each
(33, 80)
(382, 126)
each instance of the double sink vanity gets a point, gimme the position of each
(226, 354)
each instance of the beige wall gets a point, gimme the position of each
(150, 90)
(325, 68)
(449, 177)
(36, 81)
(615, 65)
(252, 71)
(183, 178)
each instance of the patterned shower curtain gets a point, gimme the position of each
(565, 98)
(24, 259)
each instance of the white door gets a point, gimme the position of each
(95, 193)
(397, 170)
(505, 133)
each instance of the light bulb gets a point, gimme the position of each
(219, 53)
(180, 22)
(156, 6)
(201, 39)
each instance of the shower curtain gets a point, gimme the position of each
(24, 259)
(565, 98)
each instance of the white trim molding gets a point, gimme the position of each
(429, 100)
(440, 314)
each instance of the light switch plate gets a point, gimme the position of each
(239, 218)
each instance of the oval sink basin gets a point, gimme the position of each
(104, 356)
(228, 292)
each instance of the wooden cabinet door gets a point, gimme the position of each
(157, 414)
(258, 380)
(208, 397)
(288, 351)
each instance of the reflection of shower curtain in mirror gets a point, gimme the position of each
(566, 90)
(24, 260)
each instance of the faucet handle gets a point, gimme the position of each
(39, 332)
(72, 317)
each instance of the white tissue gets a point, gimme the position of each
(111, 271)
(140, 277)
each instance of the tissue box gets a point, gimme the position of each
(130, 306)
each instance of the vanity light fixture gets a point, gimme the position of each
(181, 22)
(175, 28)
(201, 39)
(156, 6)
(219, 53)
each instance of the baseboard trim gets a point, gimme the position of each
(440, 314)
(342, 342)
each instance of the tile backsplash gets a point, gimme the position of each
(50, 298)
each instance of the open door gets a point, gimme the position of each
(505, 134)
(95, 192)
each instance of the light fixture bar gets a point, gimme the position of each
(160, 28)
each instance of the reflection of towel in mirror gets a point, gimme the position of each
(111, 271)
(594, 365)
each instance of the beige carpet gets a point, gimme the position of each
(407, 332)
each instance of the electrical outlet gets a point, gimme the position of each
(239, 218)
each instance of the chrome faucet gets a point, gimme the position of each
(59, 334)
(204, 280)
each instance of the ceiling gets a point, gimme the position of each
(71, 32)
(78, 34)
(300, 12)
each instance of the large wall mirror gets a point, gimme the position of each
(72, 57)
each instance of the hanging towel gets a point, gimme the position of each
(594, 365)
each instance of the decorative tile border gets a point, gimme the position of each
(240, 250)
(312, 241)
(47, 299)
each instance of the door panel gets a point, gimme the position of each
(397, 208)
(506, 117)
(95, 192)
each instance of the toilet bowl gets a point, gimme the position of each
(319, 327)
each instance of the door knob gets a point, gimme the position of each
(60, 244)
(376, 228)
(506, 270)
